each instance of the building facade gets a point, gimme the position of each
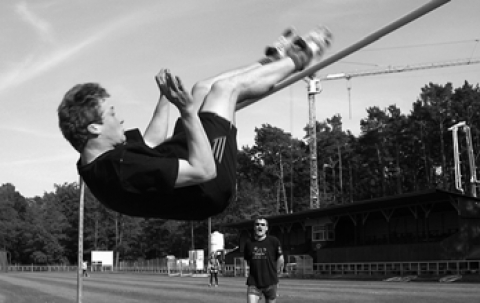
(422, 226)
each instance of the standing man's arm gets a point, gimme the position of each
(280, 263)
(246, 259)
(200, 165)
(280, 260)
(246, 265)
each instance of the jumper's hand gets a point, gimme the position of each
(172, 88)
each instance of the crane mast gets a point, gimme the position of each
(313, 89)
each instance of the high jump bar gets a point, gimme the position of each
(419, 12)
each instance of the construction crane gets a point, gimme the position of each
(314, 88)
(394, 70)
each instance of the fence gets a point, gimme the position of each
(459, 267)
(399, 268)
(170, 266)
(300, 265)
(297, 269)
(152, 266)
(36, 268)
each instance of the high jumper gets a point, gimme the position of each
(192, 174)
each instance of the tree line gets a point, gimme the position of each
(395, 153)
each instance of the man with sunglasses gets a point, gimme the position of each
(264, 256)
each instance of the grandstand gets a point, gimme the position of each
(434, 227)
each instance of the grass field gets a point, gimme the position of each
(47, 287)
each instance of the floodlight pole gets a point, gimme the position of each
(80, 242)
(209, 228)
(471, 158)
(419, 12)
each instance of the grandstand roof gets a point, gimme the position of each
(404, 200)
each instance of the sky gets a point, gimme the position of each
(48, 46)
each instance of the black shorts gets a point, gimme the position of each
(223, 138)
(270, 292)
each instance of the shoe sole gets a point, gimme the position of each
(316, 41)
(282, 45)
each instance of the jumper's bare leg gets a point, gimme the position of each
(224, 93)
(201, 89)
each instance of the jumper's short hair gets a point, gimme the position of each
(78, 109)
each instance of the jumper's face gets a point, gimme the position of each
(260, 228)
(111, 128)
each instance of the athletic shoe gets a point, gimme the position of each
(315, 42)
(283, 44)
(216, 285)
(310, 47)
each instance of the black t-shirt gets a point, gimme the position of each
(137, 180)
(262, 257)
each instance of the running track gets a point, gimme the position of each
(146, 288)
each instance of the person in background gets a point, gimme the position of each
(264, 256)
(84, 268)
(214, 268)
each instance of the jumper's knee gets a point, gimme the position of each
(225, 87)
(201, 88)
(222, 99)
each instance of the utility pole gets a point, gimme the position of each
(281, 192)
(192, 236)
(314, 87)
(209, 250)
(282, 187)
(340, 175)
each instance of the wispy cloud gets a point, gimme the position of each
(65, 157)
(29, 132)
(33, 66)
(30, 68)
(42, 27)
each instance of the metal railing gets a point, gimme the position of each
(461, 267)
(37, 268)
(399, 268)
(376, 268)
